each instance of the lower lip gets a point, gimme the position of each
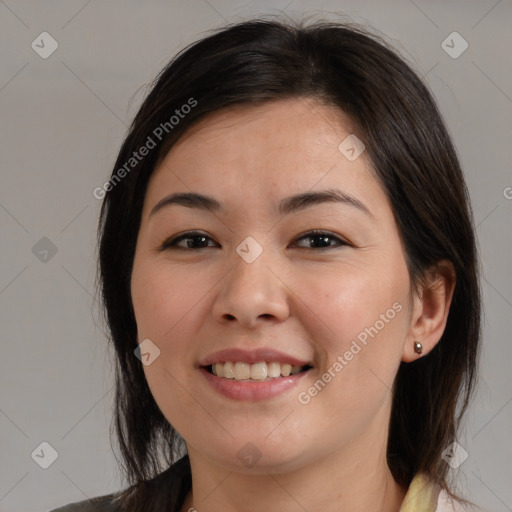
(257, 390)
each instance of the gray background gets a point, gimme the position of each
(62, 121)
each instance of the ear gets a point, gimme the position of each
(431, 305)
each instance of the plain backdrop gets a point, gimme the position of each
(63, 118)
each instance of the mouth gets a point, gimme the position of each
(253, 375)
(255, 372)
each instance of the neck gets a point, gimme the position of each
(354, 478)
(232, 493)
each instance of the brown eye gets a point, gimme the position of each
(320, 240)
(189, 240)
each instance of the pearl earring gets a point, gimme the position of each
(418, 347)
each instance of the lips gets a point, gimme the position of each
(258, 374)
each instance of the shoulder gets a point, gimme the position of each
(164, 492)
(425, 495)
(99, 504)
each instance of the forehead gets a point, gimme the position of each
(266, 151)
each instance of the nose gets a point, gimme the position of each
(251, 294)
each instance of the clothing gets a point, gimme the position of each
(424, 496)
(171, 487)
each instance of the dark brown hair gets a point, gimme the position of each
(395, 116)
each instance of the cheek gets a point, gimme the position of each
(358, 313)
(164, 297)
(360, 323)
(167, 302)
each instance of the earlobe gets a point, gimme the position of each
(431, 308)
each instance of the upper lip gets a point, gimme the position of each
(251, 356)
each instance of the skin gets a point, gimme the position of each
(308, 301)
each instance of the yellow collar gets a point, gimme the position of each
(421, 496)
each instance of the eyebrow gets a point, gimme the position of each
(288, 205)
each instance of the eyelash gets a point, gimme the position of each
(172, 242)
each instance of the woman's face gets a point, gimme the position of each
(254, 291)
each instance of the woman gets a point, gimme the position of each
(289, 272)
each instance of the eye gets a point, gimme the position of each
(188, 240)
(320, 240)
(316, 239)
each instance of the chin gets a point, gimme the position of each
(257, 454)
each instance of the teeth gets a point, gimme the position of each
(218, 369)
(286, 369)
(274, 370)
(228, 371)
(242, 371)
(257, 371)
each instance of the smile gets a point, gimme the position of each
(257, 374)
(261, 371)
